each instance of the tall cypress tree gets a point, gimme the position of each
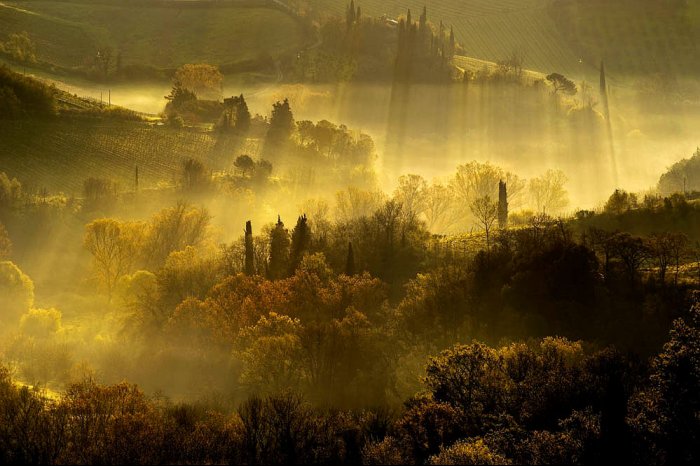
(279, 251)
(502, 205)
(249, 250)
(350, 15)
(301, 242)
(350, 262)
(242, 116)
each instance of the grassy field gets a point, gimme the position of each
(634, 36)
(60, 154)
(489, 29)
(164, 37)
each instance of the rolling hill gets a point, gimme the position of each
(157, 36)
(488, 29)
(59, 154)
(567, 36)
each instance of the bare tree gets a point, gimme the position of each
(547, 192)
(113, 247)
(440, 208)
(411, 193)
(485, 212)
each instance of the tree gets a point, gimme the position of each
(103, 61)
(16, 294)
(473, 451)
(474, 180)
(301, 242)
(99, 193)
(179, 96)
(236, 116)
(631, 251)
(562, 84)
(281, 125)
(279, 251)
(350, 261)
(411, 194)
(174, 229)
(21, 47)
(244, 164)
(666, 413)
(486, 213)
(113, 247)
(5, 243)
(204, 81)
(194, 177)
(249, 250)
(441, 212)
(502, 205)
(242, 116)
(547, 192)
(620, 202)
(350, 15)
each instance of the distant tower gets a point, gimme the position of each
(502, 205)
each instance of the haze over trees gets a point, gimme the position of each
(353, 232)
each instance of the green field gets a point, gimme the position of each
(60, 154)
(634, 36)
(164, 37)
(488, 29)
(569, 37)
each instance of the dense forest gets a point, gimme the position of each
(257, 275)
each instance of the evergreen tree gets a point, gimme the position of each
(249, 249)
(423, 21)
(502, 205)
(281, 126)
(301, 242)
(279, 251)
(242, 124)
(350, 262)
(350, 15)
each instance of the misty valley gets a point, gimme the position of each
(349, 232)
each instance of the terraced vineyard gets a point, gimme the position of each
(164, 37)
(60, 154)
(490, 29)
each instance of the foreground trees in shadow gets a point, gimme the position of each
(527, 403)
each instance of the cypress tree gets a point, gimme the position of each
(281, 123)
(301, 242)
(350, 262)
(502, 205)
(350, 14)
(249, 250)
(242, 116)
(279, 251)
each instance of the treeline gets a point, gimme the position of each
(544, 402)
(362, 48)
(21, 96)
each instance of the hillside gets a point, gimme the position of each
(59, 154)
(140, 38)
(488, 29)
(568, 36)
(633, 36)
